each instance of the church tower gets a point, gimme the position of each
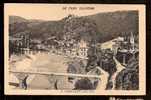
(132, 41)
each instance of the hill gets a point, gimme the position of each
(101, 26)
(113, 24)
(16, 19)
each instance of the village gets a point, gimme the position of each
(120, 46)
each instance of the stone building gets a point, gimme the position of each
(78, 49)
(82, 47)
(19, 42)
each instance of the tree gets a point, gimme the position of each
(128, 79)
(83, 84)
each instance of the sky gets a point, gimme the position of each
(58, 11)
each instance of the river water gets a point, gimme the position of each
(50, 63)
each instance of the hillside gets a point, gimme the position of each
(112, 24)
(16, 19)
(101, 26)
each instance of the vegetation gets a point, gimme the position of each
(128, 79)
(102, 24)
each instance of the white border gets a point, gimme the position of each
(142, 58)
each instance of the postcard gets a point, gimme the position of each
(74, 49)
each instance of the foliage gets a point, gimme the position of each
(102, 24)
(128, 79)
(83, 84)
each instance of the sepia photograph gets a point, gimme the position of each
(74, 49)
